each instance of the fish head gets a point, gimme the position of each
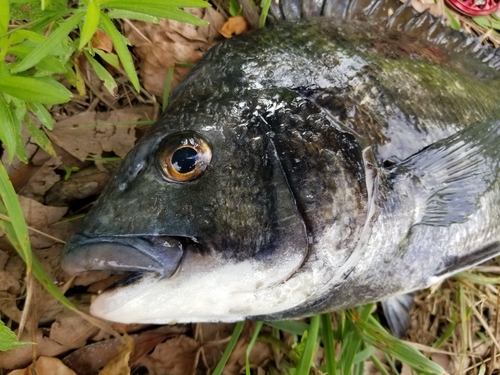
(204, 213)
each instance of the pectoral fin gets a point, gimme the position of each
(455, 172)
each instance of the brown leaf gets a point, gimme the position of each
(89, 359)
(431, 5)
(119, 364)
(38, 215)
(9, 281)
(12, 269)
(178, 356)
(160, 46)
(72, 331)
(21, 357)
(46, 366)
(80, 185)
(80, 136)
(102, 41)
(234, 26)
(41, 179)
(261, 353)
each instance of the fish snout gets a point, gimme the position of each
(156, 254)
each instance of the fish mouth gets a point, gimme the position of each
(135, 255)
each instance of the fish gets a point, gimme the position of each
(345, 154)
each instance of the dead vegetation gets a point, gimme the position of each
(455, 324)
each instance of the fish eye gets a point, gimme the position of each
(184, 156)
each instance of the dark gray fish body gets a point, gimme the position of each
(310, 166)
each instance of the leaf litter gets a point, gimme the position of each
(99, 124)
(169, 44)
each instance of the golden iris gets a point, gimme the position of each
(184, 156)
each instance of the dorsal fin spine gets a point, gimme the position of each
(404, 18)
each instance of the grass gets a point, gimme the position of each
(349, 339)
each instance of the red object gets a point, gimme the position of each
(474, 7)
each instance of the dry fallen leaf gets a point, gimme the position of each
(40, 179)
(89, 359)
(72, 330)
(46, 366)
(80, 136)
(261, 353)
(178, 356)
(102, 41)
(21, 357)
(80, 185)
(119, 364)
(38, 215)
(160, 46)
(435, 8)
(234, 26)
(11, 285)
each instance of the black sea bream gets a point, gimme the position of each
(309, 166)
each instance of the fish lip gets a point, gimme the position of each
(156, 254)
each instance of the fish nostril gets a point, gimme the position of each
(131, 175)
(135, 162)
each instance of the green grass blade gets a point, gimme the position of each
(4, 16)
(454, 23)
(156, 3)
(17, 36)
(39, 137)
(48, 63)
(168, 85)
(329, 344)
(51, 42)
(307, 356)
(110, 58)
(48, 283)
(20, 150)
(7, 128)
(90, 25)
(121, 50)
(290, 326)
(40, 24)
(250, 346)
(390, 362)
(487, 22)
(102, 73)
(127, 14)
(16, 229)
(36, 90)
(350, 347)
(8, 339)
(374, 334)
(161, 11)
(42, 114)
(473, 278)
(363, 355)
(229, 348)
(265, 5)
(17, 233)
(380, 367)
(446, 335)
(235, 8)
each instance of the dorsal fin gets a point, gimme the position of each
(393, 15)
(377, 10)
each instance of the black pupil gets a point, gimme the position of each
(184, 159)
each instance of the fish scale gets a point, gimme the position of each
(353, 157)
